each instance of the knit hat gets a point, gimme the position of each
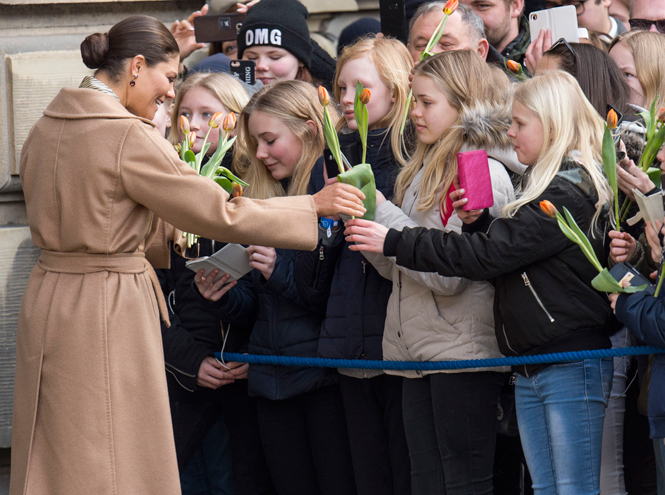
(280, 23)
(356, 30)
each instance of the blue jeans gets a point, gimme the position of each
(560, 412)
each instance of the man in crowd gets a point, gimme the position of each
(648, 15)
(464, 30)
(593, 15)
(507, 30)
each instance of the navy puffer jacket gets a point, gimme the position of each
(357, 296)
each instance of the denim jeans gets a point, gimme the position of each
(560, 412)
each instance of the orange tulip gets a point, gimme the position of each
(192, 139)
(548, 208)
(612, 119)
(513, 66)
(236, 190)
(661, 115)
(323, 96)
(229, 122)
(215, 120)
(184, 125)
(365, 96)
(450, 7)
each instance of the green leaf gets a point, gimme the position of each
(654, 174)
(362, 177)
(610, 159)
(584, 242)
(225, 172)
(407, 107)
(225, 183)
(605, 282)
(190, 157)
(436, 36)
(331, 138)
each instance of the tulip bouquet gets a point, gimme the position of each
(610, 161)
(448, 9)
(655, 124)
(212, 169)
(604, 281)
(361, 175)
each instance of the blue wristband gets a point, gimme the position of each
(328, 224)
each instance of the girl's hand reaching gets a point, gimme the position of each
(368, 236)
(263, 259)
(622, 246)
(210, 290)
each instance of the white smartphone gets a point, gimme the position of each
(561, 20)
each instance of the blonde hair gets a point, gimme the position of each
(569, 123)
(227, 89)
(647, 49)
(467, 82)
(294, 103)
(393, 63)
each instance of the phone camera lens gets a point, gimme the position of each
(534, 17)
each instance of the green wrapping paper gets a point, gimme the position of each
(362, 177)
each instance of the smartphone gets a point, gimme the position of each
(245, 70)
(473, 169)
(331, 165)
(561, 20)
(223, 27)
(393, 19)
(626, 271)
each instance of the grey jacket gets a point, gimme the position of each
(430, 317)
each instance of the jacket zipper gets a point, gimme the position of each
(505, 336)
(527, 282)
(317, 269)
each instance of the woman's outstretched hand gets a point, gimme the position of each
(368, 236)
(458, 199)
(622, 246)
(338, 199)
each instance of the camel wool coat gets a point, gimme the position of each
(91, 410)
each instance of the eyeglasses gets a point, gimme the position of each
(579, 5)
(645, 25)
(562, 41)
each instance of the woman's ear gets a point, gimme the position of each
(137, 63)
(313, 127)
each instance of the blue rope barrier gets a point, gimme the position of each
(558, 357)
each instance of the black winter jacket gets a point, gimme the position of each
(544, 301)
(356, 295)
(194, 333)
(285, 325)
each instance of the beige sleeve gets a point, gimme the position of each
(153, 175)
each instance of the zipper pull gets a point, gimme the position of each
(364, 265)
(321, 257)
(512, 380)
(526, 279)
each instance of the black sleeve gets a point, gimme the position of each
(183, 354)
(239, 306)
(528, 237)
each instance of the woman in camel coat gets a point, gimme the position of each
(91, 411)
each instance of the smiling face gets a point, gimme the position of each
(624, 59)
(199, 105)
(381, 100)
(153, 86)
(276, 145)
(433, 113)
(272, 64)
(527, 134)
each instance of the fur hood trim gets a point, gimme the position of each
(485, 127)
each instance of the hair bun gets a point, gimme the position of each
(94, 50)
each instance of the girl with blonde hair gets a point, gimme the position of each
(543, 301)
(300, 412)
(460, 106)
(639, 55)
(356, 295)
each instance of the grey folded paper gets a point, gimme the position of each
(651, 208)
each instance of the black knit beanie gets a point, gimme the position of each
(280, 23)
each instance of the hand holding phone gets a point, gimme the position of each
(245, 70)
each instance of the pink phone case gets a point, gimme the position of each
(474, 177)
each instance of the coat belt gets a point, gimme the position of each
(79, 263)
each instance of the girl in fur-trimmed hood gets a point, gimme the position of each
(462, 104)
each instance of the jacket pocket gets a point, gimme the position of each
(528, 284)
